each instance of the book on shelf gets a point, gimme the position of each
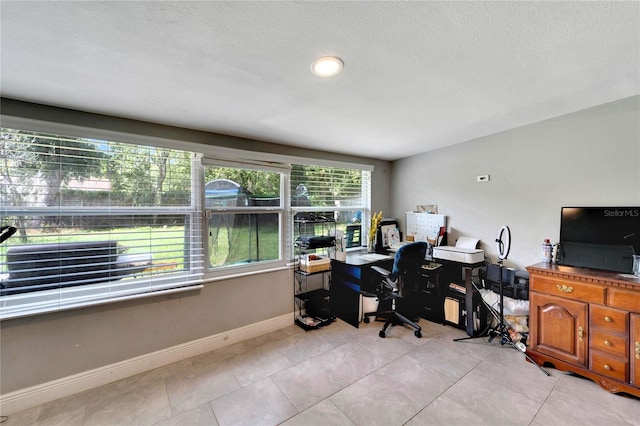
(458, 288)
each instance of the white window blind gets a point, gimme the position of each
(97, 221)
(329, 187)
(337, 193)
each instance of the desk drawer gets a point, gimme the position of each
(608, 343)
(568, 289)
(624, 299)
(613, 320)
(610, 366)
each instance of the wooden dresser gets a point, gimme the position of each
(587, 322)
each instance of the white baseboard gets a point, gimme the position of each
(50, 391)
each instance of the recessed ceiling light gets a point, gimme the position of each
(327, 66)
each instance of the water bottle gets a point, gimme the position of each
(546, 251)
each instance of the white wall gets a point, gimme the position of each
(588, 158)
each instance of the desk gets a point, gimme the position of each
(348, 278)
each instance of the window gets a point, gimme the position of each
(333, 192)
(100, 220)
(96, 221)
(245, 215)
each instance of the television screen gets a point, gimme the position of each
(599, 237)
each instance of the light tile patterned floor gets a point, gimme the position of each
(340, 375)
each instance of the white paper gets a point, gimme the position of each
(420, 237)
(374, 257)
(467, 242)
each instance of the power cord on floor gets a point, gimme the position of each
(4, 419)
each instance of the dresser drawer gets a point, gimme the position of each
(610, 366)
(610, 319)
(624, 299)
(568, 289)
(609, 343)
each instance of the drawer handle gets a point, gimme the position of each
(637, 350)
(608, 319)
(564, 288)
(608, 343)
(581, 333)
(607, 367)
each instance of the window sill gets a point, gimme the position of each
(230, 276)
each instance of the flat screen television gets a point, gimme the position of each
(599, 237)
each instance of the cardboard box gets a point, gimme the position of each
(308, 264)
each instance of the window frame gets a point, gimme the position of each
(230, 271)
(238, 157)
(364, 207)
(153, 283)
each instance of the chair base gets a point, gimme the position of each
(393, 318)
(398, 319)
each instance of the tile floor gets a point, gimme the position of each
(340, 375)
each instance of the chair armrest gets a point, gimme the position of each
(386, 284)
(381, 271)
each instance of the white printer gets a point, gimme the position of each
(458, 254)
(463, 252)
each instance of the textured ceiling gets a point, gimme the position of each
(417, 75)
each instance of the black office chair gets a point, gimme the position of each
(399, 283)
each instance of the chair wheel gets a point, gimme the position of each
(418, 334)
(366, 320)
(382, 334)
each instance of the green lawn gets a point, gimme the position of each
(167, 247)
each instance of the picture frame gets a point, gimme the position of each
(384, 232)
